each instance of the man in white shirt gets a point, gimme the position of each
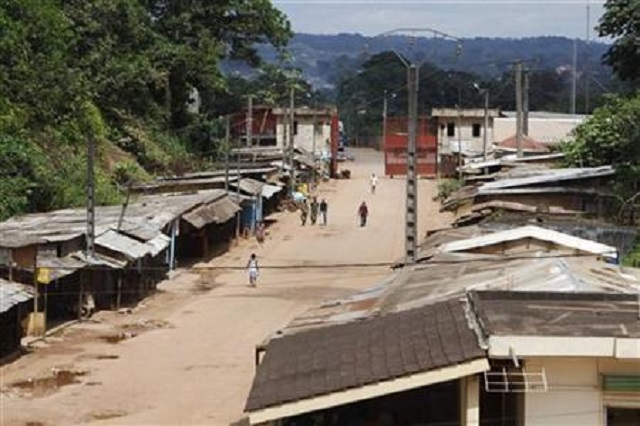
(373, 181)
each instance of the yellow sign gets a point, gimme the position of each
(44, 275)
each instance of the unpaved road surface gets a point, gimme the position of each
(186, 355)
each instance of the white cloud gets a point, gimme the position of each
(467, 18)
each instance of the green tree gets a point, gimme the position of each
(621, 21)
(611, 137)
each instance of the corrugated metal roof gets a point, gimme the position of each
(117, 242)
(60, 267)
(249, 186)
(534, 232)
(269, 191)
(150, 211)
(551, 175)
(12, 294)
(219, 211)
(452, 274)
(158, 244)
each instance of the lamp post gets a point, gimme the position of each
(411, 212)
(485, 93)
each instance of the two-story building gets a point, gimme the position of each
(463, 130)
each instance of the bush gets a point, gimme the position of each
(447, 187)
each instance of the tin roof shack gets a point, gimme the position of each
(573, 359)
(135, 247)
(578, 192)
(14, 307)
(412, 341)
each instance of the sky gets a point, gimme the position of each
(461, 18)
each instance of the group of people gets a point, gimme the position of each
(312, 209)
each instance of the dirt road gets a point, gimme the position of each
(187, 355)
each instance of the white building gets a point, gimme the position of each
(311, 128)
(545, 127)
(463, 130)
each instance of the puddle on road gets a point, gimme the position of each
(44, 386)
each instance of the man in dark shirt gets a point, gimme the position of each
(324, 207)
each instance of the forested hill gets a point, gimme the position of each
(325, 57)
(120, 72)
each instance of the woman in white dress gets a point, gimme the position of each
(253, 269)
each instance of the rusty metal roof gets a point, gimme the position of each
(141, 216)
(218, 211)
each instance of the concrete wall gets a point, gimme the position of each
(547, 130)
(304, 137)
(575, 396)
(449, 144)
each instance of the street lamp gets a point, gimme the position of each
(411, 215)
(484, 92)
(384, 118)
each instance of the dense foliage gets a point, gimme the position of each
(121, 72)
(621, 21)
(361, 94)
(612, 134)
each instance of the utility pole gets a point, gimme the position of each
(485, 135)
(384, 120)
(292, 101)
(91, 197)
(250, 121)
(313, 147)
(227, 137)
(519, 107)
(525, 101)
(587, 71)
(411, 231)
(574, 76)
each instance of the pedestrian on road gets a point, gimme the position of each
(373, 181)
(304, 212)
(253, 269)
(363, 212)
(260, 233)
(313, 210)
(324, 207)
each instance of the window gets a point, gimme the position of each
(476, 130)
(451, 129)
(295, 128)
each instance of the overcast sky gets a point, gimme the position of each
(463, 18)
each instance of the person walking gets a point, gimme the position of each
(260, 233)
(324, 207)
(313, 214)
(373, 181)
(304, 212)
(253, 269)
(363, 212)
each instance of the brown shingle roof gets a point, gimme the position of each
(345, 356)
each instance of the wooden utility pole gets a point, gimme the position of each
(227, 149)
(249, 141)
(525, 101)
(292, 101)
(519, 120)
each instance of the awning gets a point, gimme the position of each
(217, 212)
(157, 244)
(249, 186)
(114, 241)
(269, 191)
(12, 294)
(60, 267)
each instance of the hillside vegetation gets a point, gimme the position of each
(120, 72)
